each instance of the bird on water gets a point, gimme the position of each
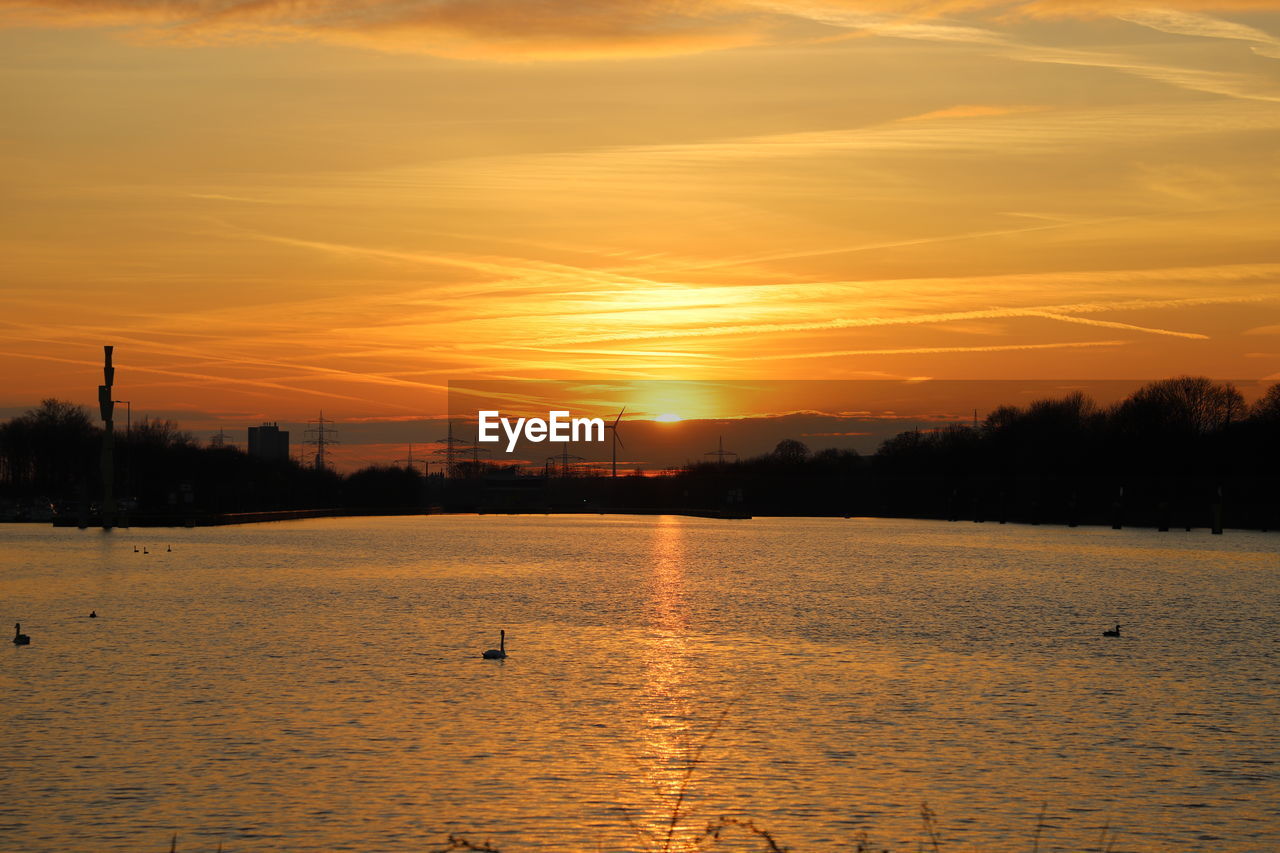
(501, 651)
(93, 614)
(19, 638)
(1115, 633)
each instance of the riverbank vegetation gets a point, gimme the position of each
(1182, 452)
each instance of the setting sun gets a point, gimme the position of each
(668, 419)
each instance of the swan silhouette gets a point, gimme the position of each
(93, 614)
(500, 652)
(1115, 633)
(19, 638)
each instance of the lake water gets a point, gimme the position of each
(318, 686)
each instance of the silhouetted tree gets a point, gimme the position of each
(1184, 404)
(789, 450)
(161, 434)
(838, 459)
(384, 487)
(49, 450)
(905, 453)
(1267, 409)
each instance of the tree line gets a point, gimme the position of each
(1166, 455)
(49, 456)
(1174, 453)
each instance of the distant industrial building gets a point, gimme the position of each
(269, 442)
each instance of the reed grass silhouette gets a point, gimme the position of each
(720, 828)
(712, 832)
(723, 826)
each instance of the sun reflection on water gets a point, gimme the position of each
(669, 711)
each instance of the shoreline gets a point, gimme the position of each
(235, 518)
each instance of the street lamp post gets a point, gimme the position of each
(128, 424)
(128, 449)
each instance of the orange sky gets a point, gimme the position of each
(271, 208)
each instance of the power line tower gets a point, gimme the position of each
(450, 450)
(219, 440)
(720, 453)
(320, 434)
(475, 450)
(565, 458)
(410, 462)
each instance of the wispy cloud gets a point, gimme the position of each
(563, 29)
(1068, 313)
(1231, 84)
(187, 378)
(543, 29)
(1204, 26)
(657, 166)
(1111, 324)
(942, 350)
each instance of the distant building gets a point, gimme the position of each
(269, 442)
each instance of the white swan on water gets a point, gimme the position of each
(500, 652)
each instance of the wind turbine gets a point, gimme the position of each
(613, 428)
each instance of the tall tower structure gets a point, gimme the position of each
(452, 446)
(720, 453)
(106, 407)
(320, 434)
(410, 463)
(566, 460)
